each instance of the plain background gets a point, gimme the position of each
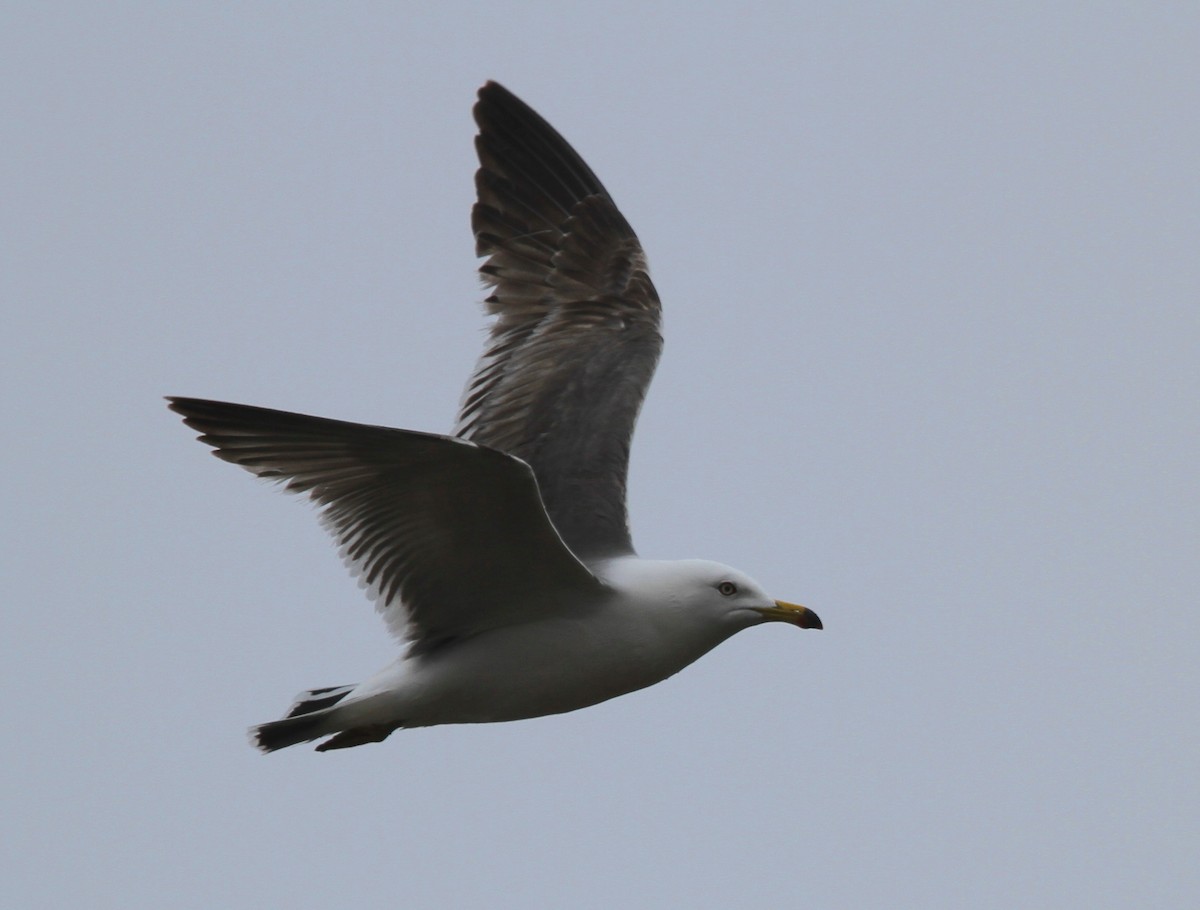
(930, 278)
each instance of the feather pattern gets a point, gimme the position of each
(449, 537)
(576, 336)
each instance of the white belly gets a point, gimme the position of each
(538, 669)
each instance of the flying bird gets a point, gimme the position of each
(501, 555)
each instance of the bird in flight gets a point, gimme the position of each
(501, 555)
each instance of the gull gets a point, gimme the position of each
(500, 555)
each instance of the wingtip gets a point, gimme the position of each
(495, 100)
(492, 87)
(188, 408)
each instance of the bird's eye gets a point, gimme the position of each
(728, 588)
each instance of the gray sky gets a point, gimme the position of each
(930, 280)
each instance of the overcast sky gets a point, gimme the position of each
(930, 281)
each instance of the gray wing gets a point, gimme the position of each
(449, 537)
(576, 336)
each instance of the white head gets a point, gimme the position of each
(717, 590)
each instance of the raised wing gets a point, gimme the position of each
(449, 537)
(576, 338)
